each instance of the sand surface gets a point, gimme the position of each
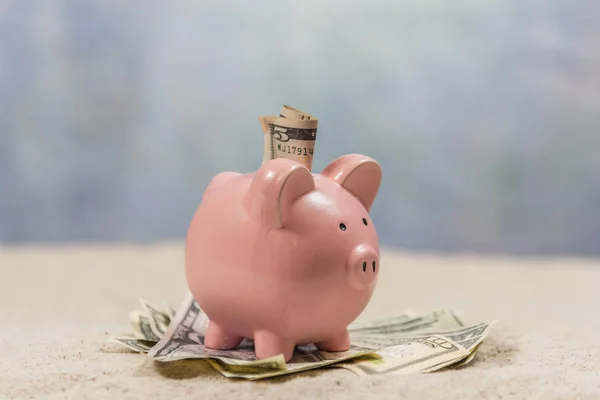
(59, 304)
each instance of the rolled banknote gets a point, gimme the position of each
(290, 135)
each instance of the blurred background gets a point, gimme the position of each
(485, 114)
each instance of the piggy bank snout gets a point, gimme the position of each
(363, 265)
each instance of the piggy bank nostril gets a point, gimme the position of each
(365, 266)
(373, 266)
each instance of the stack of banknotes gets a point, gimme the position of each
(407, 343)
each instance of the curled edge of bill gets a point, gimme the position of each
(473, 349)
(295, 113)
(138, 345)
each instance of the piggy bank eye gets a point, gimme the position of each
(365, 221)
(343, 226)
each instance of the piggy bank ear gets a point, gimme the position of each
(275, 187)
(360, 175)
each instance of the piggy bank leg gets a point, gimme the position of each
(267, 344)
(219, 339)
(337, 343)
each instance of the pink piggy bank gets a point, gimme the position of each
(284, 256)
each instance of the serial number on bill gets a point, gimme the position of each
(301, 151)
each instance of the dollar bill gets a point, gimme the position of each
(291, 135)
(421, 351)
(168, 312)
(135, 344)
(406, 324)
(185, 340)
(141, 327)
(147, 325)
(408, 355)
(159, 320)
(407, 343)
(453, 363)
(361, 325)
(303, 360)
(467, 359)
(470, 338)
